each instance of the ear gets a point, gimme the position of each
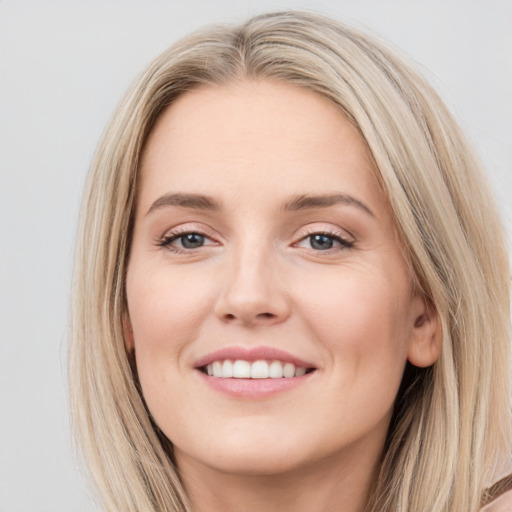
(426, 339)
(128, 333)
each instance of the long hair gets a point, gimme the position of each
(452, 420)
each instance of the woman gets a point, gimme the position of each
(291, 287)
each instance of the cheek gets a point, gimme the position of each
(165, 301)
(166, 310)
(362, 318)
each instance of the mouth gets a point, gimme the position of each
(259, 369)
(255, 373)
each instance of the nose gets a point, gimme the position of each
(254, 292)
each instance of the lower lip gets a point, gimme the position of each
(253, 388)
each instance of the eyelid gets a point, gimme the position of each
(325, 229)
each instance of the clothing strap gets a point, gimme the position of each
(497, 489)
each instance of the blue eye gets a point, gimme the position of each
(321, 242)
(324, 242)
(190, 241)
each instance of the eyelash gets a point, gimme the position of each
(167, 240)
(335, 236)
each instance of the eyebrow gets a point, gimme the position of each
(297, 203)
(195, 201)
(306, 202)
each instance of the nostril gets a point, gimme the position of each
(265, 315)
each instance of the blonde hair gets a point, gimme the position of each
(451, 420)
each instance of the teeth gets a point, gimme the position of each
(227, 368)
(261, 369)
(275, 370)
(217, 369)
(299, 371)
(242, 369)
(288, 370)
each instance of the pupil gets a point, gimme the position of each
(192, 240)
(321, 242)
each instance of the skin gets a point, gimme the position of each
(349, 310)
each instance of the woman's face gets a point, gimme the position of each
(263, 244)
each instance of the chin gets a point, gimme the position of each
(253, 453)
(255, 463)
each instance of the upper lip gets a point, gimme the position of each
(251, 354)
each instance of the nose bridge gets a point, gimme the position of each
(253, 290)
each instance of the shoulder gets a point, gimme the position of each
(500, 496)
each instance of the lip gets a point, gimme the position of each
(252, 388)
(252, 354)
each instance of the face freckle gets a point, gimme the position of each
(261, 227)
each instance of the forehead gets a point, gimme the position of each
(255, 136)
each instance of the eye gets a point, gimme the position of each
(321, 242)
(191, 240)
(186, 241)
(324, 242)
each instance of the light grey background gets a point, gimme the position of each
(63, 67)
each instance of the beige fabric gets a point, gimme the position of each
(502, 504)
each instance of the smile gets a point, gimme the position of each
(253, 372)
(260, 369)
